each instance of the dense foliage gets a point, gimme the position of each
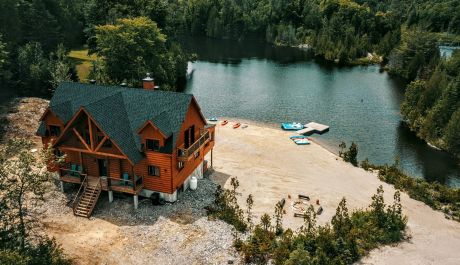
(345, 31)
(432, 104)
(132, 47)
(345, 240)
(23, 183)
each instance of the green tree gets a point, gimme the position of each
(24, 180)
(33, 69)
(5, 73)
(132, 47)
(452, 133)
(60, 68)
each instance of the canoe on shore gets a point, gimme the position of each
(236, 125)
(301, 141)
(224, 122)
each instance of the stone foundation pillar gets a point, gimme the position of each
(61, 184)
(136, 201)
(170, 197)
(110, 196)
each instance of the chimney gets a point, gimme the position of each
(147, 83)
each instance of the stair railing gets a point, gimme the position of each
(95, 197)
(80, 190)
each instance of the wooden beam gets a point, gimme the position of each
(68, 148)
(134, 177)
(101, 143)
(90, 128)
(81, 139)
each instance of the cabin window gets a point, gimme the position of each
(152, 145)
(55, 130)
(154, 171)
(106, 144)
(196, 154)
(86, 136)
(180, 165)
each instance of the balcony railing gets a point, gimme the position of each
(123, 185)
(71, 175)
(185, 153)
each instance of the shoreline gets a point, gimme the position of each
(270, 167)
(273, 125)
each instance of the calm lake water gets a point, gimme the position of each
(259, 82)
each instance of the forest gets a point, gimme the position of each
(131, 38)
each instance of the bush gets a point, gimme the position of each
(434, 194)
(226, 207)
(344, 241)
(351, 155)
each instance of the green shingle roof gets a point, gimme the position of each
(122, 111)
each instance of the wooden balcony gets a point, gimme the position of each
(71, 176)
(121, 185)
(130, 185)
(185, 154)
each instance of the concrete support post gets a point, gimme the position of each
(61, 186)
(136, 201)
(110, 196)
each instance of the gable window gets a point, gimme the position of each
(154, 171)
(55, 130)
(152, 145)
(106, 144)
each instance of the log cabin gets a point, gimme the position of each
(142, 142)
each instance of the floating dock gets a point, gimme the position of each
(314, 127)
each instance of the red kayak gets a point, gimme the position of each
(236, 125)
(224, 122)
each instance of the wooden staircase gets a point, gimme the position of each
(87, 197)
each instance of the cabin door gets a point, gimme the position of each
(189, 136)
(102, 165)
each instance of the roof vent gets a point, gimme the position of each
(148, 82)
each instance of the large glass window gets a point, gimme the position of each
(152, 145)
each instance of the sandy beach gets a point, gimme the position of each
(270, 166)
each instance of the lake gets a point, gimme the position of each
(255, 81)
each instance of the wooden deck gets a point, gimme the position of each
(314, 127)
(116, 184)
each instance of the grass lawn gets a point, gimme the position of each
(83, 62)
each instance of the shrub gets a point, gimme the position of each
(344, 241)
(351, 155)
(226, 208)
(434, 194)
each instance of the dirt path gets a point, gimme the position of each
(270, 166)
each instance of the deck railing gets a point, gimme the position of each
(124, 185)
(79, 192)
(72, 175)
(185, 153)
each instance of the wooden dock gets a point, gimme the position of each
(314, 127)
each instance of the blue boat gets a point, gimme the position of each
(302, 141)
(291, 126)
(298, 137)
(213, 119)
